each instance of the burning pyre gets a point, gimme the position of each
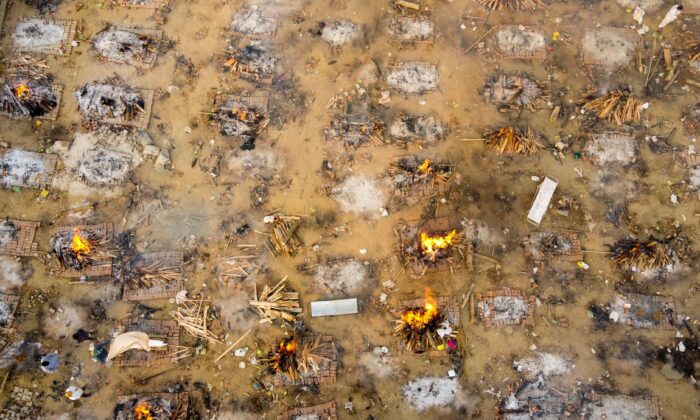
(616, 105)
(101, 101)
(413, 171)
(25, 97)
(139, 272)
(237, 119)
(291, 357)
(511, 5)
(255, 59)
(641, 256)
(512, 91)
(428, 247)
(150, 408)
(422, 327)
(75, 249)
(513, 140)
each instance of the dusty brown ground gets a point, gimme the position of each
(200, 27)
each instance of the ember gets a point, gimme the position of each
(238, 119)
(425, 167)
(22, 91)
(80, 245)
(23, 98)
(75, 250)
(419, 326)
(433, 245)
(142, 411)
(284, 358)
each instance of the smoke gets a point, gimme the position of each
(13, 273)
(234, 311)
(65, 320)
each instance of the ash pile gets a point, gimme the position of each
(256, 59)
(238, 119)
(113, 100)
(413, 77)
(253, 22)
(104, 158)
(43, 6)
(38, 33)
(337, 33)
(27, 96)
(125, 46)
(512, 91)
(422, 128)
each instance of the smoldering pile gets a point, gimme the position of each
(237, 119)
(27, 96)
(417, 127)
(253, 22)
(256, 58)
(36, 33)
(641, 256)
(8, 232)
(155, 407)
(110, 100)
(510, 91)
(43, 6)
(124, 46)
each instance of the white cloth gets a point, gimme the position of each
(134, 340)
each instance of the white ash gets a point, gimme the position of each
(253, 22)
(339, 32)
(123, 46)
(425, 393)
(611, 148)
(514, 40)
(361, 195)
(411, 29)
(254, 163)
(695, 177)
(20, 167)
(413, 77)
(8, 232)
(608, 47)
(547, 364)
(63, 320)
(507, 308)
(378, 363)
(106, 101)
(6, 311)
(258, 56)
(38, 33)
(310, 416)
(348, 276)
(409, 127)
(13, 274)
(101, 159)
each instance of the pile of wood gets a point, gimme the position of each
(511, 5)
(292, 356)
(276, 302)
(237, 268)
(642, 256)
(513, 140)
(283, 237)
(140, 275)
(692, 49)
(618, 105)
(192, 315)
(418, 328)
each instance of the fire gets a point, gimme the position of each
(244, 115)
(421, 317)
(80, 245)
(425, 167)
(432, 244)
(142, 411)
(288, 346)
(22, 91)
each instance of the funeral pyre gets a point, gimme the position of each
(615, 105)
(238, 119)
(292, 356)
(138, 272)
(641, 256)
(511, 91)
(423, 328)
(414, 175)
(513, 140)
(429, 245)
(76, 249)
(356, 129)
(125, 46)
(256, 60)
(157, 407)
(511, 5)
(27, 96)
(110, 100)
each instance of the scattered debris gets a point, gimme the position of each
(512, 91)
(407, 128)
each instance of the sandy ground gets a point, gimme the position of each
(500, 189)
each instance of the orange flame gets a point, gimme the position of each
(142, 411)
(288, 346)
(425, 167)
(22, 91)
(80, 245)
(419, 318)
(432, 244)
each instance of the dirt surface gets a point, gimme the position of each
(194, 204)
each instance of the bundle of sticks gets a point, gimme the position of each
(618, 105)
(192, 314)
(276, 302)
(289, 357)
(27, 66)
(139, 274)
(284, 237)
(511, 5)
(692, 49)
(512, 140)
(642, 256)
(237, 268)
(413, 170)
